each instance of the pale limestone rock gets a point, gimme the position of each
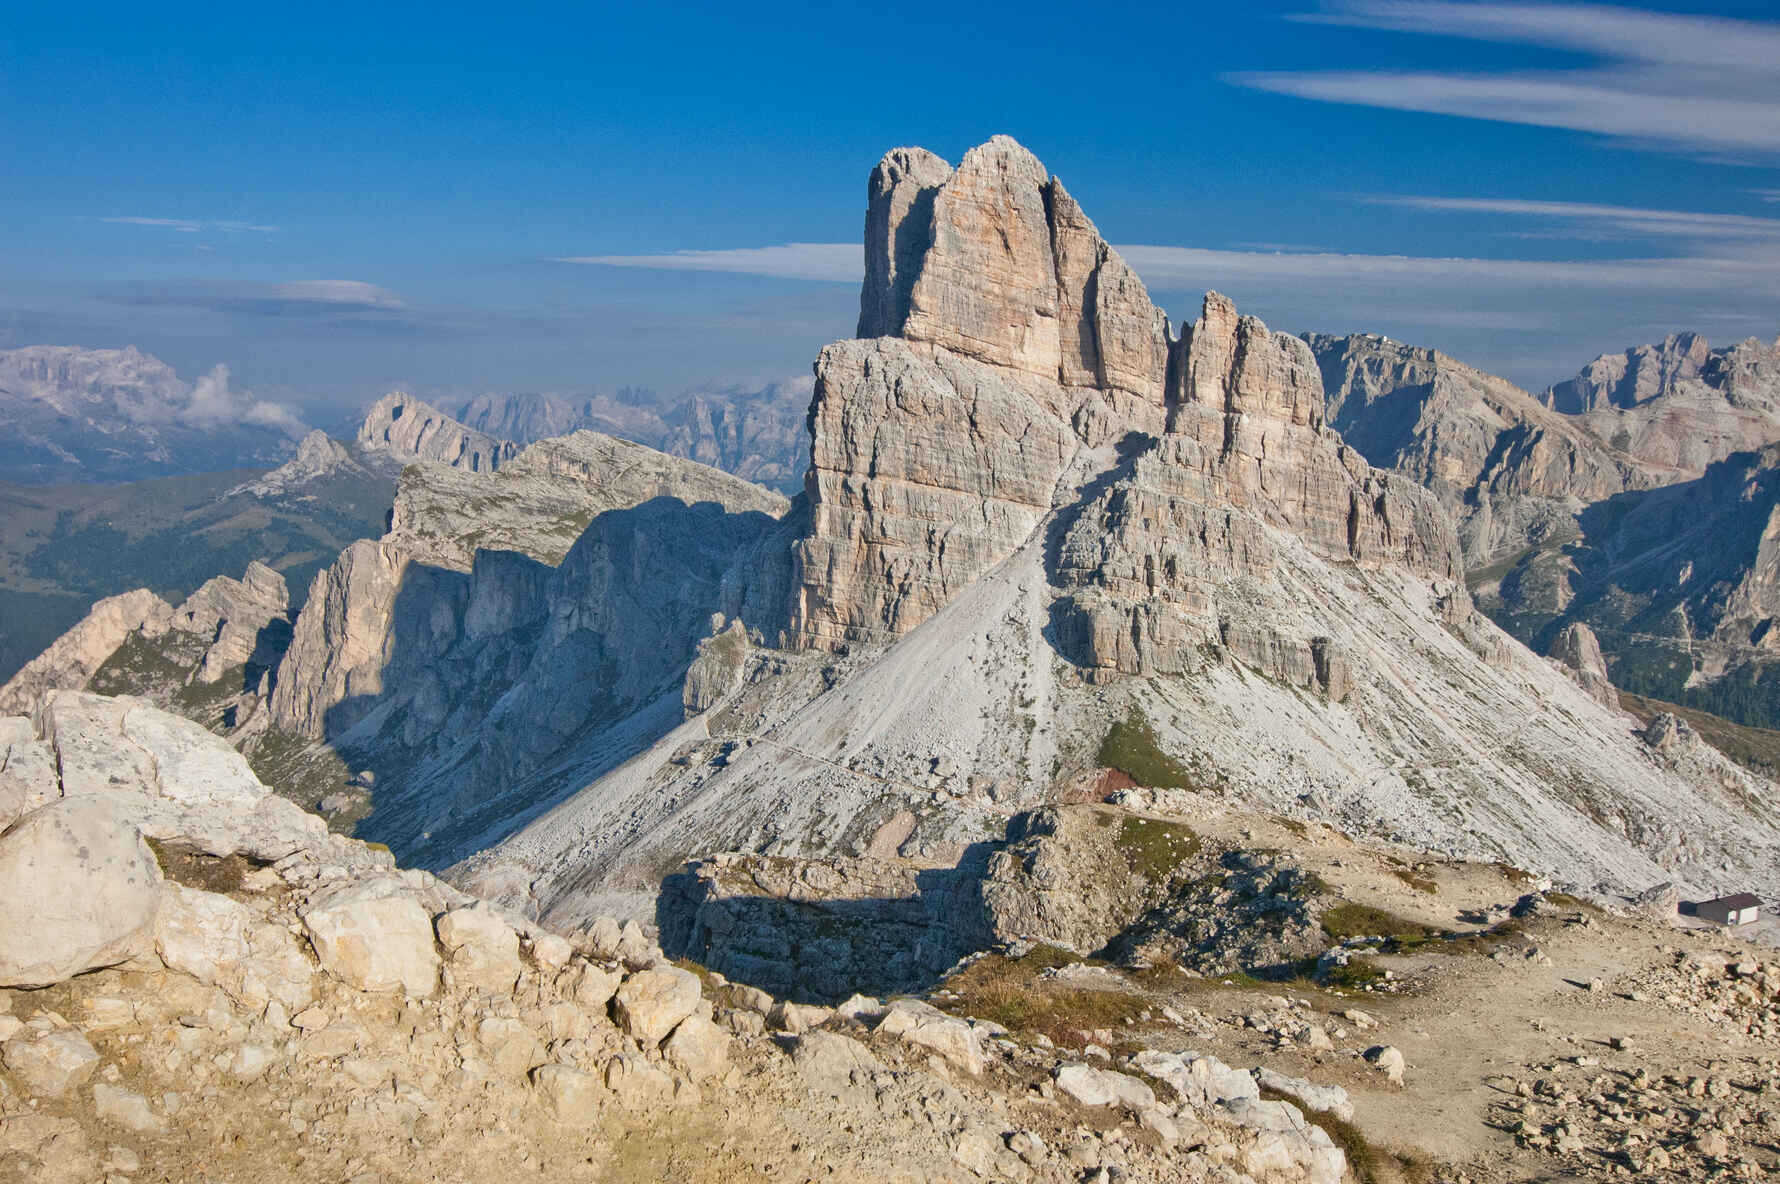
(1331, 1099)
(953, 1039)
(1387, 1059)
(235, 615)
(831, 1061)
(717, 670)
(898, 232)
(652, 1002)
(1578, 651)
(1104, 1087)
(28, 777)
(926, 472)
(126, 1108)
(637, 1084)
(571, 1096)
(173, 779)
(511, 1046)
(797, 1018)
(699, 1048)
(483, 949)
(988, 284)
(409, 429)
(549, 952)
(594, 987)
(49, 1064)
(81, 889)
(373, 935)
(72, 659)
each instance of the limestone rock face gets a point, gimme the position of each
(484, 949)
(238, 615)
(998, 263)
(170, 778)
(718, 669)
(409, 429)
(1162, 561)
(70, 662)
(1679, 405)
(81, 888)
(1578, 650)
(927, 470)
(1508, 469)
(898, 232)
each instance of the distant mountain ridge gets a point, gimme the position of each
(110, 415)
(758, 435)
(1639, 498)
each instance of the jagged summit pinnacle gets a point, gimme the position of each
(996, 262)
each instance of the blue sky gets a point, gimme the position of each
(337, 201)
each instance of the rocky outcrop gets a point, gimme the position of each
(927, 471)
(1002, 330)
(758, 435)
(1510, 471)
(1578, 651)
(1678, 406)
(70, 662)
(1161, 562)
(321, 458)
(48, 933)
(408, 429)
(245, 620)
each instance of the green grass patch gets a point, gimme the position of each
(1347, 920)
(1008, 992)
(1130, 747)
(1155, 849)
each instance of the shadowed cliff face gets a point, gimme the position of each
(478, 680)
(1615, 501)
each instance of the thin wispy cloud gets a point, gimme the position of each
(1696, 84)
(841, 263)
(193, 225)
(1629, 221)
(1168, 266)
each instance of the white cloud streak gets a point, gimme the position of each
(1629, 220)
(343, 293)
(840, 263)
(193, 225)
(1688, 83)
(1166, 266)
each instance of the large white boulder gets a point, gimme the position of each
(223, 943)
(80, 889)
(484, 949)
(914, 1022)
(374, 935)
(651, 1003)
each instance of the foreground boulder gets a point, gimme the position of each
(374, 935)
(80, 889)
